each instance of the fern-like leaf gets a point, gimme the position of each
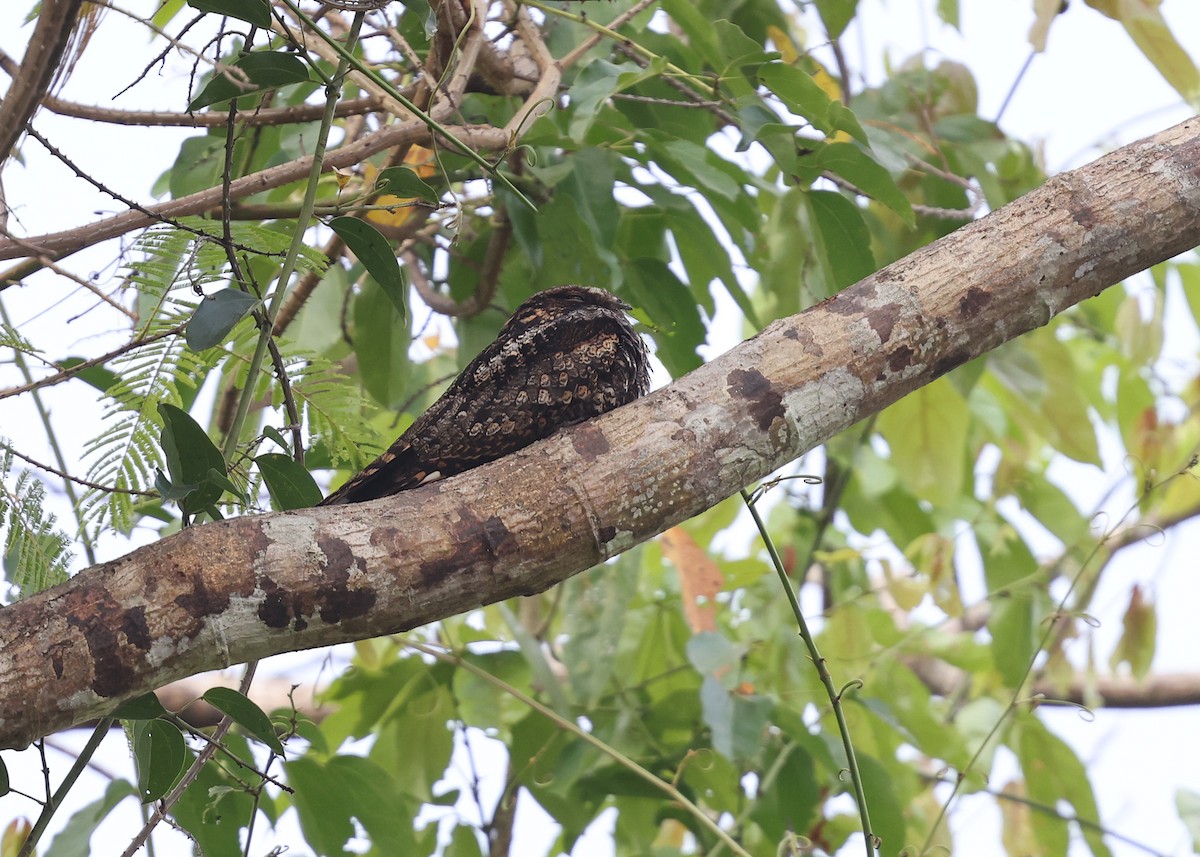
(35, 552)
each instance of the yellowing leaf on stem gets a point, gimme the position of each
(1138, 637)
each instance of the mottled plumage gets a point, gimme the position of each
(566, 355)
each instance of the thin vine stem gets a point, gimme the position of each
(1018, 694)
(332, 94)
(835, 696)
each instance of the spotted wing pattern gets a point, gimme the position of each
(566, 355)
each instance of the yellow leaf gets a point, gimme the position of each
(423, 163)
(1136, 646)
(1044, 12)
(828, 83)
(1149, 31)
(783, 43)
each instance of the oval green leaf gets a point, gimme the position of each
(251, 11)
(190, 455)
(290, 485)
(405, 183)
(375, 252)
(144, 707)
(160, 755)
(263, 69)
(244, 713)
(216, 316)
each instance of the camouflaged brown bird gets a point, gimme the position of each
(567, 354)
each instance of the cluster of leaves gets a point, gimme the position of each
(679, 158)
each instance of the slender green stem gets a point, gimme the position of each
(332, 93)
(568, 726)
(835, 696)
(81, 762)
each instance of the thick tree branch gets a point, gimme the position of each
(236, 590)
(51, 36)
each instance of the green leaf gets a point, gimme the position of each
(845, 240)
(246, 714)
(98, 376)
(927, 434)
(74, 840)
(190, 455)
(375, 252)
(1013, 645)
(381, 341)
(1053, 775)
(405, 183)
(198, 166)
(596, 608)
(255, 12)
(144, 707)
(804, 97)
(883, 797)
(787, 802)
(216, 316)
(216, 808)
(159, 753)
(330, 794)
(836, 14)
(463, 843)
(263, 69)
(290, 485)
(1187, 804)
(737, 721)
(860, 169)
(675, 315)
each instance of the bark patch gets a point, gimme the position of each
(589, 442)
(763, 402)
(96, 615)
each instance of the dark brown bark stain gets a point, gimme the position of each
(482, 541)
(97, 616)
(973, 302)
(329, 595)
(273, 610)
(950, 361)
(200, 603)
(763, 402)
(900, 359)
(883, 320)
(607, 534)
(335, 599)
(804, 336)
(589, 442)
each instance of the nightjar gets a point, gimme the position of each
(566, 355)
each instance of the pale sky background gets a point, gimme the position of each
(1091, 91)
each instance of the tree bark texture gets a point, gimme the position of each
(235, 590)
